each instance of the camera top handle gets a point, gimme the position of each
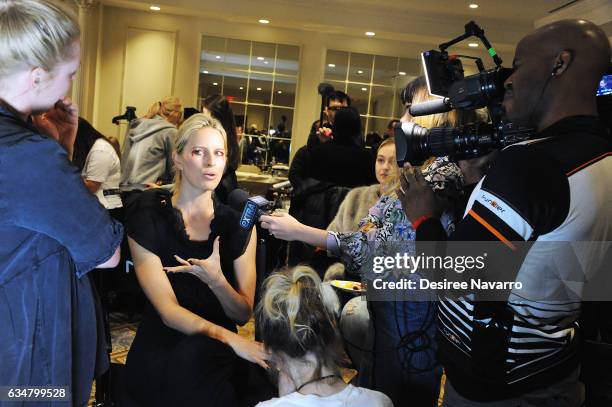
(473, 29)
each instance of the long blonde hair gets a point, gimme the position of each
(298, 316)
(35, 34)
(170, 108)
(190, 127)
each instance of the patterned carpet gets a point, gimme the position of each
(123, 330)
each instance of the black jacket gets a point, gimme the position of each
(315, 203)
(339, 164)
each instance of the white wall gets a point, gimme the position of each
(124, 56)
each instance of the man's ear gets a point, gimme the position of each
(563, 61)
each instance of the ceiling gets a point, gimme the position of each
(423, 24)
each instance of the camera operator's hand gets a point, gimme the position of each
(282, 226)
(417, 197)
(207, 270)
(474, 169)
(60, 123)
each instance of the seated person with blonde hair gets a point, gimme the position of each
(297, 318)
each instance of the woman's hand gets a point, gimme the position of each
(249, 350)
(282, 226)
(207, 270)
(60, 123)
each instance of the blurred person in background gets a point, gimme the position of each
(146, 159)
(219, 108)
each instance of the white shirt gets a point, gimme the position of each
(351, 396)
(102, 165)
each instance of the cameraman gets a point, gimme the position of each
(555, 188)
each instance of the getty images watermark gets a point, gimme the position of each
(404, 262)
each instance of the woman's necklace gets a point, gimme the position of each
(317, 380)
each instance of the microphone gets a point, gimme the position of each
(252, 207)
(431, 107)
(325, 88)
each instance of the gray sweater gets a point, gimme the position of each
(147, 153)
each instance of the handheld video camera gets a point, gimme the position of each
(445, 78)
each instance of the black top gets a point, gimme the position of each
(157, 226)
(228, 183)
(342, 165)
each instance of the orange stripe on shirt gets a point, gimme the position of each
(575, 170)
(491, 229)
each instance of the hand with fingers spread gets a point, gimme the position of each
(417, 198)
(207, 270)
(60, 123)
(281, 225)
(249, 350)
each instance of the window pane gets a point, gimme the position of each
(260, 88)
(257, 117)
(263, 56)
(239, 110)
(210, 84)
(282, 127)
(381, 101)
(412, 67)
(379, 126)
(280, 144)
(284, 91)
(287, 59)
(359, 95)
(364, 122)
(237, 55)
(339, 65)
(360, 69)
(385, 70)
(235, 86)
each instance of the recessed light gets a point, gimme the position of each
(215, 83)
(260, 58)
(364, 89)
(204, 71)
(360, 71)
(266, 62)
(402, 73)
(473, 5)
(258, 88)
(331, 65)
(218, 57)
(473, 44)
(264, 21)
(155, 8)
(280, 91)
(370, 33)
(242, 87)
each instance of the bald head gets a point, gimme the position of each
(587, 43)
(557, 71)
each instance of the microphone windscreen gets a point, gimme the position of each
(237, 198)
(431, 107)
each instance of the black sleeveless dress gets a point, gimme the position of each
(164, 366)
